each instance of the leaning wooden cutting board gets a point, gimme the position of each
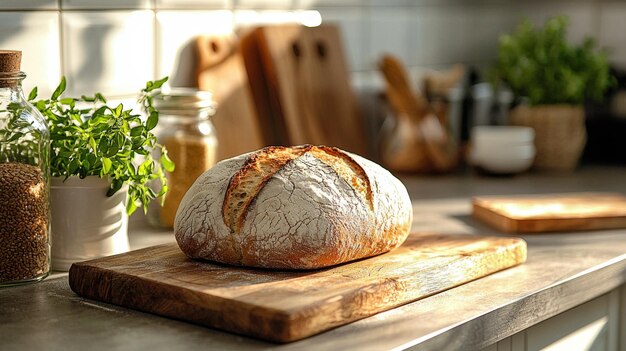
(300, 81)
(552, 212)
(220, 69)
(285, 306)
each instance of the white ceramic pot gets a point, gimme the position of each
(86, 224)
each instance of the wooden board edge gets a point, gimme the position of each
(515, 225)
(274, 328)
(494, 219)
(567, 225)
(518, 249)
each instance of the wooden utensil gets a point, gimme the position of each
(300, 83)
(551, 213)
(285, 306)
(221, 70)
(427, 147)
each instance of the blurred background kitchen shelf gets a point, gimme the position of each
(114, 46)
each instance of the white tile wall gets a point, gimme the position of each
(265, 4)
(193, 4)
(247, 18)
(391, 30)
(486, 25)
(106, 4)
(36, 34)
(175, 33)
(114, 46)
(111, 52)
(354, 32)
(309, 4)
(582, 16)
(29, 4)
(612, 32)
(442, 35)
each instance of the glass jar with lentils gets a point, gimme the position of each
(24, 180)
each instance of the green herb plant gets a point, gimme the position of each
(540, 64)
(90, 138)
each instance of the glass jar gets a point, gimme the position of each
(24, 180)
(186, 131)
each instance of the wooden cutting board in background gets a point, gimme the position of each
(301, 82)
(220, 69)
(552, 212)
(284, 306)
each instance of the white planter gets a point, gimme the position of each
(86, 224)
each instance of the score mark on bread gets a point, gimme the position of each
(261, 167)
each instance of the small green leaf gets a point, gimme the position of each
(159, 83)
(92, 143)
(100, 111)
(67, 101)
(145, 167)
(167, 163)
(100, 97)
(116, 185)
(106, 165)
(59, 90)
(131, 206)
(152, 121)
(33, 94)
(118, 110)
(136, 131)
(112, 149)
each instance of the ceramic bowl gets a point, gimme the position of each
(502, 149)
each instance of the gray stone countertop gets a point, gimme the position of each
(563, 270)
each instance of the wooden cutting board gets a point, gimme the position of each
(551, 213)
(300, 81)
(220, 69)
(284, 306)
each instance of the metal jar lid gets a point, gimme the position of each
(184, 101)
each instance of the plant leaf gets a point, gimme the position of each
(152, 121)
(100, 97)
(106, 165)
(33, 94)
(59, 90)
(159, 83)
(116, 185)
(131, 206)
(118, 110)
(167, 163)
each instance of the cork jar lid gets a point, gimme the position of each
(10, 61)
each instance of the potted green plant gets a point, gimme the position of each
(553, 78)
(96, 179)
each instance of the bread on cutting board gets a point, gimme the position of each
(299, 207)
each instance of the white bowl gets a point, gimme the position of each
(515, 151)
(502, 135)
(506, 165)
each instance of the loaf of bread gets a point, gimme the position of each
(299, 207)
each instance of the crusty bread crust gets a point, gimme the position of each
(303, 207)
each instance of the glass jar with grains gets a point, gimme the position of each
(24, 180)
(186, 131)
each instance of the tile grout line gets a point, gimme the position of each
(61, 41)
(155, 43)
